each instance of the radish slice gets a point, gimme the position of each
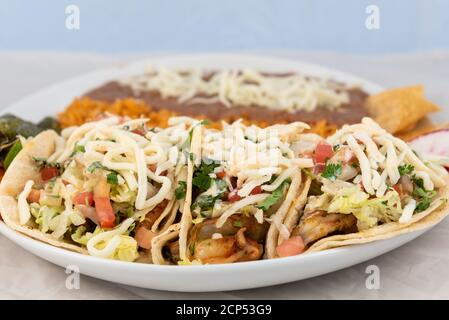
(435, 144)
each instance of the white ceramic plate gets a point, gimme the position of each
(243, 275)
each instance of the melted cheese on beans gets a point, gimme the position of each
(232, 88)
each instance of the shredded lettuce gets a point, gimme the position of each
(81, 236)
(45, 216)
(189, 263)
(122, 193)
(126, 251)
(369, 212)
(50, 200)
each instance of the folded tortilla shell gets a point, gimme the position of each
(296, 209)
(286, 208)
(186, 218)
(22, 169)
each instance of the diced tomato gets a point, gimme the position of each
(233, 196)
(2, 173)
(256, 190)
(48, 173)
(143, 237)
(398, 188)
(220, 175)
(105, 213)
(291, 247)
(318, 168)
(85, 198)
(323, 151)
(139, 132)
(34, 195)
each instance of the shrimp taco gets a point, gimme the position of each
(247, 190)
(369, 185)
(105, 188)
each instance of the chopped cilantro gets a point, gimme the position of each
(421, 192)
(180, 191)
(423, 196)
(221, 185)
(422, 205)
(201, 178)
(336, 147)
(418, 181)
(406, 169)
(94, 166)
(204, 202)
(112, 178)
(332, 171)
(274, 197)
(202, 181)
(79, 148)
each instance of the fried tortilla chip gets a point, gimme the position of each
(422, 126)
(399, 110)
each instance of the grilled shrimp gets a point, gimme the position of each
(143, 234)
(239, 239)
(228, 249)
(254, 230)
(153, 215)
(320, 224)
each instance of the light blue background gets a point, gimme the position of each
(223, 25)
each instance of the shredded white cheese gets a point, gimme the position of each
(289, 92)
(24, 208)
(114, 240)
(407, 212)
(380, 155)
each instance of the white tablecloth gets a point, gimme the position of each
(417, 270)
